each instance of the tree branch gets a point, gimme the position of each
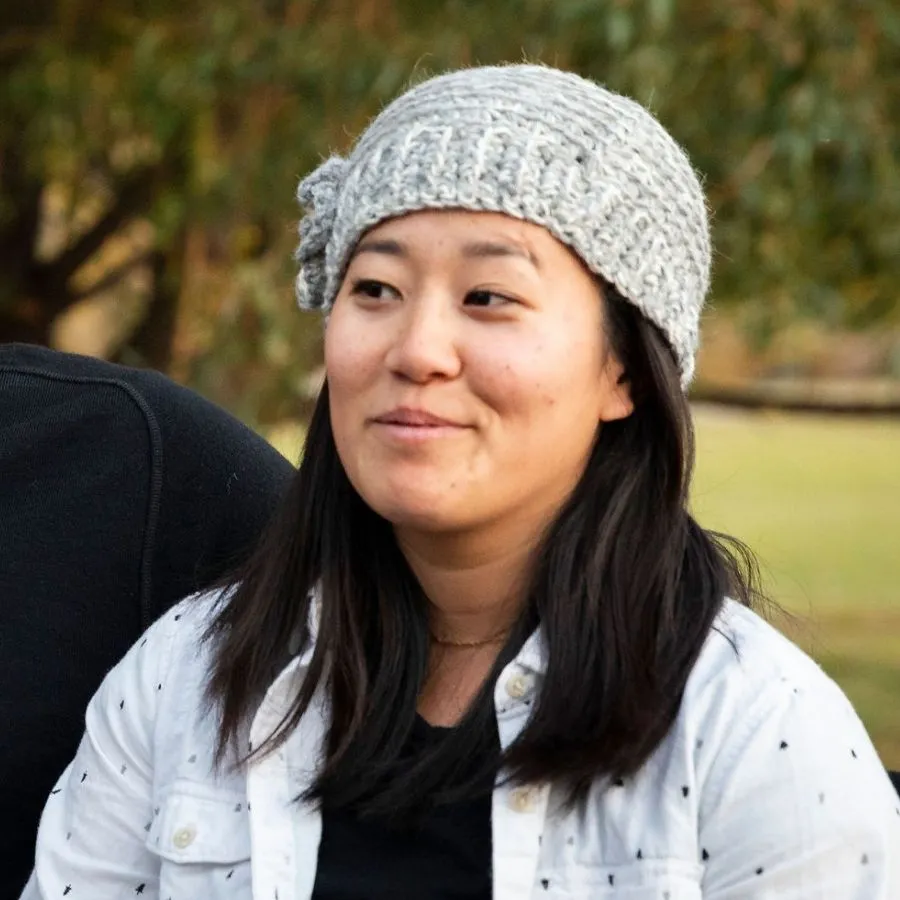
(114, 275)
(132, 196)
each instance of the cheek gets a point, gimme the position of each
(349, 353)
(348, 370)
(546, 377)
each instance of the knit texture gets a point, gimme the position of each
(592, 167)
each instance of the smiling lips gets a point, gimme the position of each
(416, 424)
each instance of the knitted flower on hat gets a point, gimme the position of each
(592, 167)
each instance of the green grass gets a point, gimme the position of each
(818, 499)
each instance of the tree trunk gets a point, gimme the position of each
(16, 329)
(153, 340)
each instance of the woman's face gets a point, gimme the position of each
(467, 371)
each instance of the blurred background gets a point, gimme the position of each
(150, 149)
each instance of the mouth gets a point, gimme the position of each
(405, 417)
(412, 427)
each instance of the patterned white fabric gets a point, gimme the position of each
(766, 787)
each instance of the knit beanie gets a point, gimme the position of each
(549, 147)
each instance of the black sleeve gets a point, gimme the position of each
(120, 493)
(220, 485)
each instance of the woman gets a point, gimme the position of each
(484, 650)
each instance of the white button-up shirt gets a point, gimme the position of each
(767, 786)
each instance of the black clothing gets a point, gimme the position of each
(446, 856)
(120, 493)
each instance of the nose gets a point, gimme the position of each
(425, 346)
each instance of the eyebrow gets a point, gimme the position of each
(390, 248)
(481, 249)
(474, 250)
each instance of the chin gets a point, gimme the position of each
(422, 512)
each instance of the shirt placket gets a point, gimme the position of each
(284, 832)
(518, 811)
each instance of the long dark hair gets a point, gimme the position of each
(625, 587)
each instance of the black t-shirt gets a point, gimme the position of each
(445, 856)
(120, 493)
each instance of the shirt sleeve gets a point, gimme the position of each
(798, 805)
(91, 840)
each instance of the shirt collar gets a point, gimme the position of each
(533, 655)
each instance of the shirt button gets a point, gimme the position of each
(518, 686)
(523, 799)
(184, 837)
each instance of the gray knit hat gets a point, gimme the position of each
(592, 167)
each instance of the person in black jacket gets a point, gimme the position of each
(120, 493)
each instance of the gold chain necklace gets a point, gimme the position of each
(482, 642)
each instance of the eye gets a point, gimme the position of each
(487, 299)
(370, 289)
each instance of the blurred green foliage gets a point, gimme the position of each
(200, 117)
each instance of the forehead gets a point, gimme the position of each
(469, 235)
(459, 226)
